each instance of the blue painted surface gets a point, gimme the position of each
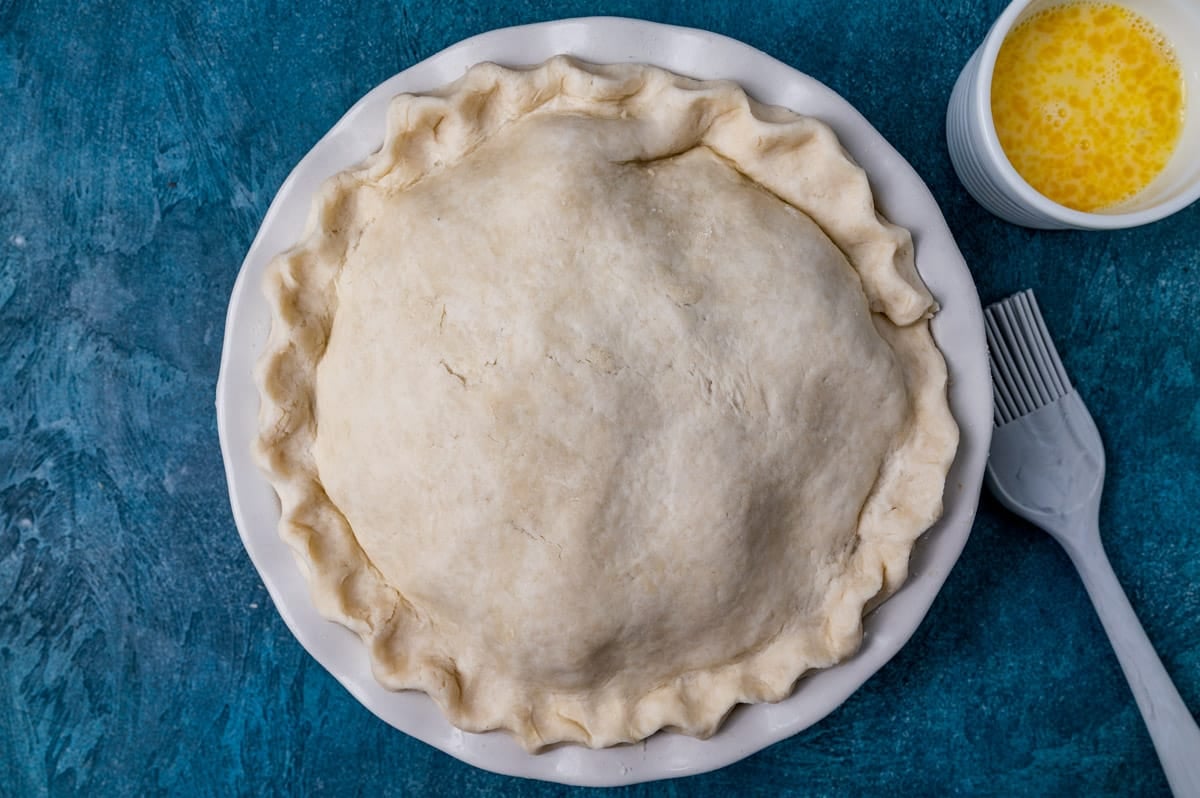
(140, 145)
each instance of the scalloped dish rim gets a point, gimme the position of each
(958, 329)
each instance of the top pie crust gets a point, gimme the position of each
(600, 400)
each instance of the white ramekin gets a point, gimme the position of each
(988, 175)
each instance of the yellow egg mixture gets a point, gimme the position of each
(1087, 100)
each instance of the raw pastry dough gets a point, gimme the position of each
(600, 400)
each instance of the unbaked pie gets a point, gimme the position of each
(600, 400)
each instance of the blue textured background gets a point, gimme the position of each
(139, 653)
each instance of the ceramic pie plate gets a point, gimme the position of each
(900, 195)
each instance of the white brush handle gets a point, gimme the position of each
(1172, 727)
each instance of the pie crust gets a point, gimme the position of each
(600, 400)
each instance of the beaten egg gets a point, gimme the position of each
(1088, 103)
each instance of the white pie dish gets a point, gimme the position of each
(900, 195)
